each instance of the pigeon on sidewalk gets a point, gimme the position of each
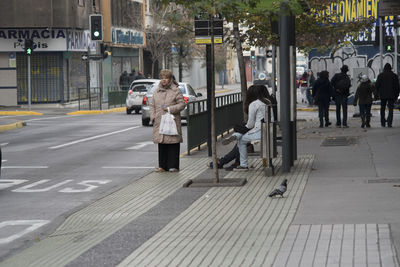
(279, 190)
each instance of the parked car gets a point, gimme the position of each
(137, 90)
(188, 94)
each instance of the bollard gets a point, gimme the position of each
(268, 142)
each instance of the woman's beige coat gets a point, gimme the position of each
(171, 97)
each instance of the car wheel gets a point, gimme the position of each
(128, 111)
(137, 111)
(145, 122)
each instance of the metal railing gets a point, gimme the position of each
(90, 100)
(116, 96)
(228, 112)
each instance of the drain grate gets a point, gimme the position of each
(340, 141)
(383, 180)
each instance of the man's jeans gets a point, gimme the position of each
(243, 139)
(341, 101)
(390, 105)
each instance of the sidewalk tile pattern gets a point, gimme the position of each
(337, 245)
(235, 226)
(93, 224)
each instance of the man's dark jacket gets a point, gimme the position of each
(387, 84)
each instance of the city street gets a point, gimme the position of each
(58, 164)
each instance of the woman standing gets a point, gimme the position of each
(167, 97)
(364, 97)
(322, 92)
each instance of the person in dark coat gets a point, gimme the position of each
(132, 76)
(364, 98)
(322, 93)
(124, 81)
(387, 87)
(341, 82)
(139, 76)
(310, 84)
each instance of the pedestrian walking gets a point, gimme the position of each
(132, 76)
(364, 98)
(124, 81)
(322, 92)
(256, 102)
(167, 98)
(387, 87)
(310, 84)
(303, 86)
(139, 76)
(341, 82)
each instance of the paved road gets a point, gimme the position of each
(58, 164)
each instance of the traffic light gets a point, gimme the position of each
(28, 46)
(389, 44)
(96, 27)
(253, 54)
(104, 51)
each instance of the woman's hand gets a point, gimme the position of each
(164, 107)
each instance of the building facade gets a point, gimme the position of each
(60, 31)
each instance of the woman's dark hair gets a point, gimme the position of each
(255, 92)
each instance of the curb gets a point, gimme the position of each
(94, 112)
(12, 126)
(7, 113)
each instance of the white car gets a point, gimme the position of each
(188, 94)
(137, 90)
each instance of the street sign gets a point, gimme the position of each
(268, 53)
(202, 29)
(84, 57)
(389, 8)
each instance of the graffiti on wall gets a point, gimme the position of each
(352, 56)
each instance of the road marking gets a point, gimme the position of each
(127, 167)
(3, 160)
(33, 225)
(49, 118)
(6, 183)
(89, 186)
(25, 167)
(92, 138)
(140, 145)
(26, 188)
(3, 144)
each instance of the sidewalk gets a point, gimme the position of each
(341, 209)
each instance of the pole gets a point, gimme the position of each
(274, 70)
(213, 131)
(381, 43)
(88, 78)
(396, 32)
(209, 88)
(29, 82)
(284, 77)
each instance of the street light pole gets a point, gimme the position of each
(29, 82)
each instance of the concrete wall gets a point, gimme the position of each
(8, 80)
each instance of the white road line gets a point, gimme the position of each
(3, 160)
(3, 144)
(92, 138)
(127, 167)
(140, 145)
(25, 167)
(49, 118)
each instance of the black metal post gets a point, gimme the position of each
(88, 78)
(209, 96)
(284, 77)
